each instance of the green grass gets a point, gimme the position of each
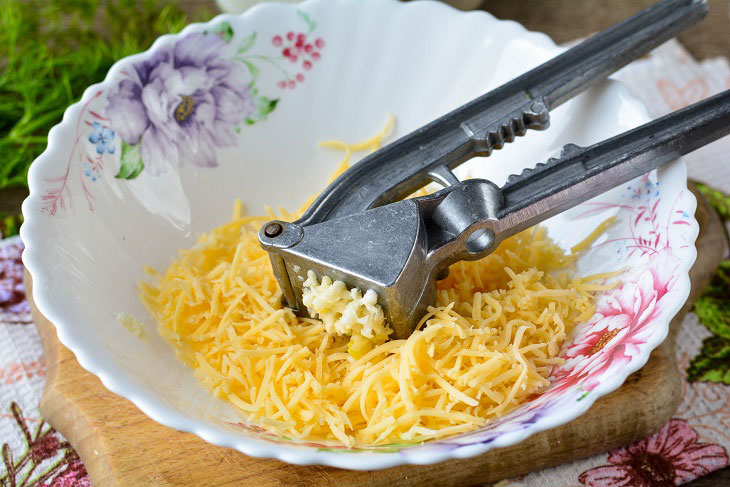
(712, 363)
(50, 51)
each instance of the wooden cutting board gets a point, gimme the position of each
(120, 446)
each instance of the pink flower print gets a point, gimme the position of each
(619, 328)
(663, 268)
(74, 475)
(670, 457)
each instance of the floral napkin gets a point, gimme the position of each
(33, 453)
(695, 442)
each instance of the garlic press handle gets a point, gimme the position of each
(582, 173)
(399, 250)
(488, 122)
(469, 219)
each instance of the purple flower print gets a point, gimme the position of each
(181, 103)
(175, 105)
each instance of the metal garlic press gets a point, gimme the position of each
(361, 231)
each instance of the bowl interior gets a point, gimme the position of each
(86, 253)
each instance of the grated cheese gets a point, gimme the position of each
(597, 232)
(132, 324)
(487, 344)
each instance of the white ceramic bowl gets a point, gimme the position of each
(181, 109)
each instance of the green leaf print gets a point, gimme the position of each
(712, 363)
(247, 43)
(131, 162)
(225, 30)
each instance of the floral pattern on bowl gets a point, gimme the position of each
(180, 104)
(158, 152)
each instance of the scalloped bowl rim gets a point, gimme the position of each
(30, 233)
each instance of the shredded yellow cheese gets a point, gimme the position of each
(132, 324)
(597, 232)
(372, 144)
(487, 344)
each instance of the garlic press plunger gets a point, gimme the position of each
(361, 231)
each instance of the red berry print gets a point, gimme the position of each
(301, 52)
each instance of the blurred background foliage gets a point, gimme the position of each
(50, 51)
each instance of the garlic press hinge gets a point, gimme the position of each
(397, 250)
